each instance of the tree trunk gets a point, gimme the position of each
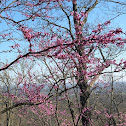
(84, 95)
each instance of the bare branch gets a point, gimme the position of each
(68, 20)
(88, 10)
(102, 54)
(121, 3)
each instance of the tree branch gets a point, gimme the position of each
(116, 2)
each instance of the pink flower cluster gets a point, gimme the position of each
(29, 33)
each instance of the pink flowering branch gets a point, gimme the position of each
(32, 103)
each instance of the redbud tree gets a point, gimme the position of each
(55, 38)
